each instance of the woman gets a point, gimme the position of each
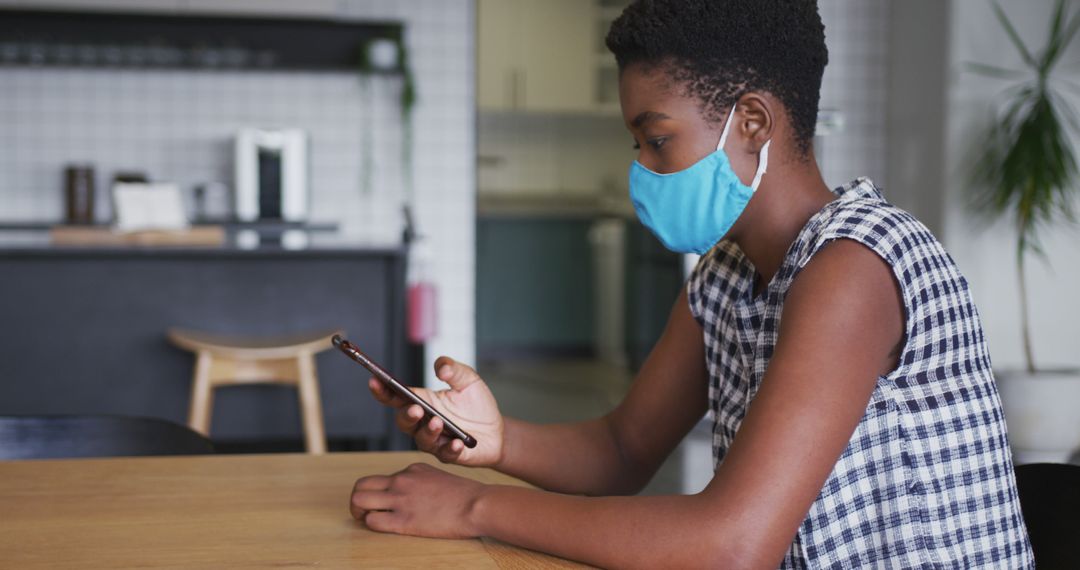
(828, 334)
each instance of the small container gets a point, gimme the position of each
(79, 194)
(422, 307)
(421, 297)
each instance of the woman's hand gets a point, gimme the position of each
(468, 403)
(419, 501)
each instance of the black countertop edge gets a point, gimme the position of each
(46, 251)
(269, 226)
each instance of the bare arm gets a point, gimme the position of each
(841, 323)
(620, 452)
(615, 454)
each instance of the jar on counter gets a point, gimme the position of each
(79, 194)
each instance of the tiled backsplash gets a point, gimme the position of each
(179, 126)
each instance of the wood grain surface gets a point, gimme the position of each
(239, 511)
(195, 236)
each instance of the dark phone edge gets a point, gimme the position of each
(385, 377)
(429, 409)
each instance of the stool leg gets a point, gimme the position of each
(202, 395)
(311, 405)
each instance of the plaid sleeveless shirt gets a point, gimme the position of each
(927, 478)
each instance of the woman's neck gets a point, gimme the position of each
(778, 211)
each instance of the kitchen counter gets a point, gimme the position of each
(15, 247)
(35, 239)
(84, 328)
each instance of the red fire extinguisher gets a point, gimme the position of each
(422, 300)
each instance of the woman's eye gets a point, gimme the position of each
(655, 143)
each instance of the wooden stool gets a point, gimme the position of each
(230, 361)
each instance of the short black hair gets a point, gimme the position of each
(721, 49)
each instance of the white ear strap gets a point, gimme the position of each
(762, 165)
(727, 128)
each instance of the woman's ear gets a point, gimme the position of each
(754, 121)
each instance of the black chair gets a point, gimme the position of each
(57, 437)
(1050, 499)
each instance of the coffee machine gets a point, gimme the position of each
(272, 175)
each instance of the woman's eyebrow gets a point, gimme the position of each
(647, 117)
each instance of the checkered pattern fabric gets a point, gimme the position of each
(926, 480)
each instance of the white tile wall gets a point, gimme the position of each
(440, 35)
(855, 83)
(177, 125)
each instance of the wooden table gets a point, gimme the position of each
(239, 511)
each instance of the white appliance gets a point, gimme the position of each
(272, 175)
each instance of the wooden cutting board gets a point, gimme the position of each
(195, 236)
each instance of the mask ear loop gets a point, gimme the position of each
(762, 165)
(763, 157)
(727, 128)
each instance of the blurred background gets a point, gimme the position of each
(432, 177)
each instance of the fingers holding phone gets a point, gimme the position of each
(469, 429)
(430, 438)
(468, 403)
(388, 397)
(408, 418)
(428, 433)
(411, 419)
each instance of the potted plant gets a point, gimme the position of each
(1027, 171)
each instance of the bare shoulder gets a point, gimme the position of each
(849, 294)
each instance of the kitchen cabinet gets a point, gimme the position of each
(534, 286)
(537, 55)
(495, 76)
(537, 287)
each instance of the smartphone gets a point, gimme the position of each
(402, 390)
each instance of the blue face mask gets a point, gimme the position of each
(690, 210)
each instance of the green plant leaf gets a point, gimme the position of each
(1026, 167)
(1067, 110)
(1053, 43)
(1070, 31)
(994, 71)
(1014, 36)
(1060, 36)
